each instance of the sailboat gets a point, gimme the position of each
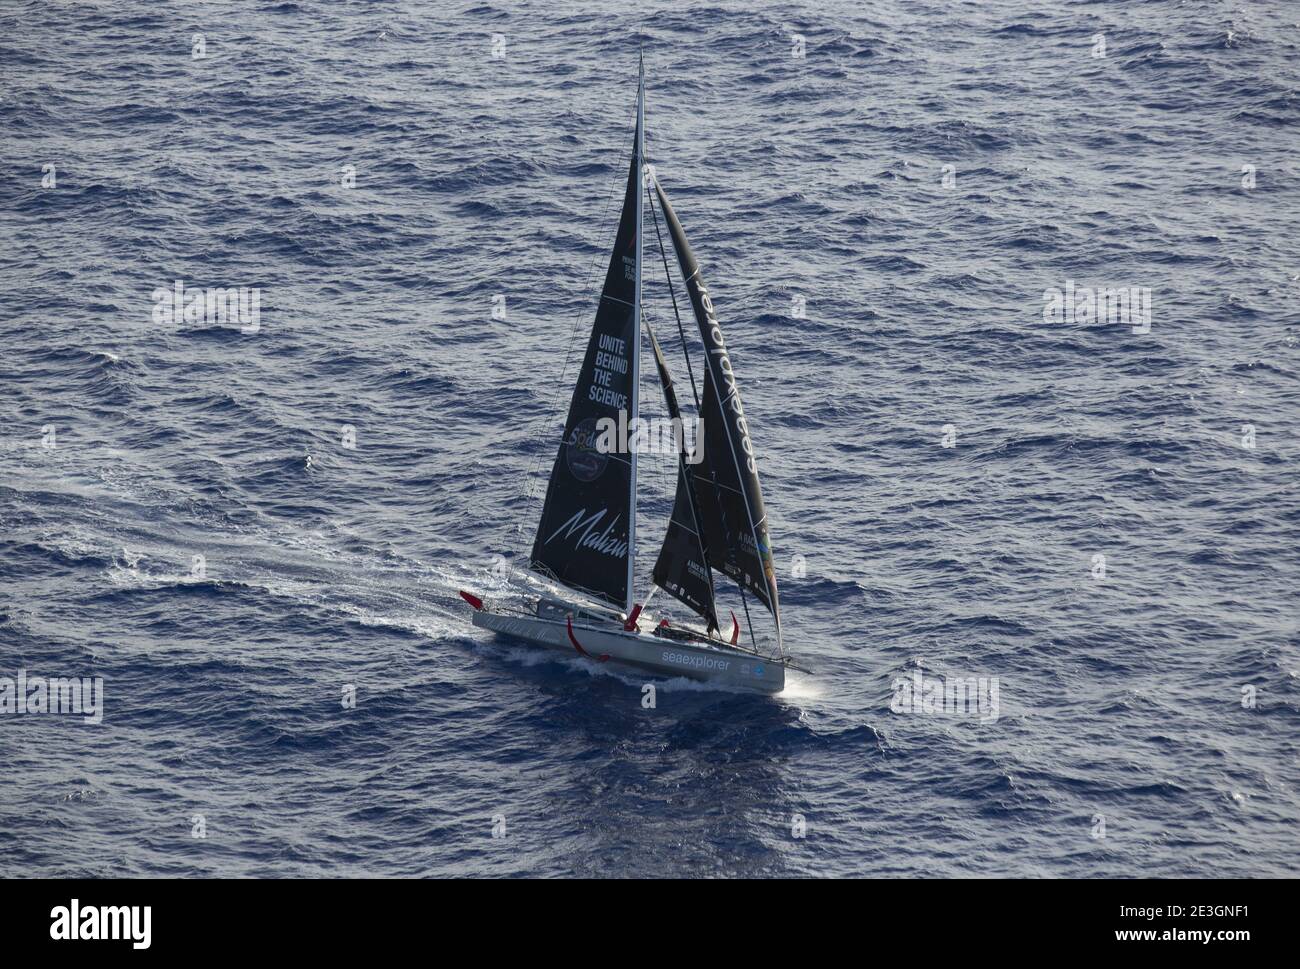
(585, 548)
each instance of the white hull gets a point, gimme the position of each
(642, 652)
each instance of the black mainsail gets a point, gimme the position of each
(682, 568)
(587, 535)
(728, 494)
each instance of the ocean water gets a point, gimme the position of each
(878, 221)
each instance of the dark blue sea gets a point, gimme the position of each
(1100, 514)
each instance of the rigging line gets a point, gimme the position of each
(682, 474)
(666, 487)
(659, 464)
(536, 464)
(745, 602)
(690, 371)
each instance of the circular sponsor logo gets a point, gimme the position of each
(585, 462)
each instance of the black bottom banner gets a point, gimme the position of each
(140, 918)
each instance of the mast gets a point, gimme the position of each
(639, 167)
(586, 531)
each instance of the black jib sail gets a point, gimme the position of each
(729, 496)
(588, 529)
(682, 567)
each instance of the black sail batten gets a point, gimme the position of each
(730, 497)
(586, 536)
(682, 568)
